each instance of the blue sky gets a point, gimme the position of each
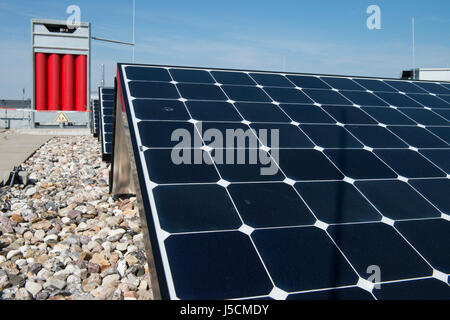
(299, 36)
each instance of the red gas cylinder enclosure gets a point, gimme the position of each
(80, 82)
(54, 82)
(68, 82)
(41, 81)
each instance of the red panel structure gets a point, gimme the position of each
(41, 81)
(80, 82)
(68, 82)
(54, 82)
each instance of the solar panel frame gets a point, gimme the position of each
(106, 104)
(166, 287)
(95, 117)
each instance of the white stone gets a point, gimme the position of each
(122, 267)
(12, 254)
(110, 280)
(51, 238)
(33, 287)
(115, 235)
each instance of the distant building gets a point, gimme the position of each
(431, 74)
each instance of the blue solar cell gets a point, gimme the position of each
(443, 113)
(213, 111)
(308, 82)
(422, 289)
(203, 265)
(418, 137)
(360, 164)
(366, 245)
(306, 113)
(425, 117)
(304, 165)
(327, 97)
(342, 83)
(349, 115)
(398, 100)
(326, 266)
(201, 91)
(416, 166)
(248, 171)
(441, 132)
(162, 134)
(190, 213)
(331, 136)
(237, 78)
(160, 109)
(418, 233)
(162, 90)
(405, 86)
(376, 137)
(432, 87)
(397, 200)
(388, 116)
(271, 80)
(363, 98)
(446, 98)
(429, 101)
(374, 85)
(264, 205)
(337, 202)
(243, 93)
(286, 95)
(196, 76)
(353, 293)
(435, 190)
(289, 136)
(261, 112)
(440, 157)
(163, 170)
(147, 74)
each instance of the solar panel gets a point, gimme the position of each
(359, 188)
(106, 97)
(95, 117)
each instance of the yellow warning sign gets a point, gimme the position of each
(61, 118)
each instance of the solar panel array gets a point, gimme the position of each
(106, 96)
(362, 187)
(95, 117)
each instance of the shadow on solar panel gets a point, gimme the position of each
(266, 185)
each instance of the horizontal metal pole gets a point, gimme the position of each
(113, 41)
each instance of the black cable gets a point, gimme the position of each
(5, 205)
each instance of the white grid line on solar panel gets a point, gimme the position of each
(285, 76)
(242, 220)
(102, 107)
